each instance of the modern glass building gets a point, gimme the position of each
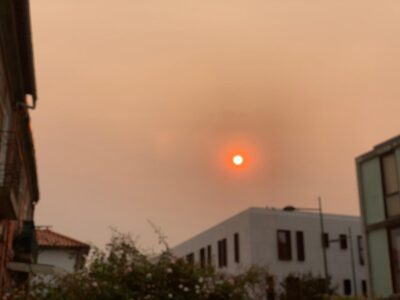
(379, 186)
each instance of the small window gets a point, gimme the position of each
(343, 241)
(222, 253)
(364, 287)
(347, 287)
(325, 240)
(202, 257)
(360, 247)
(300, 246)
(270, 287)
(237, 250)
(190, 258)
(225, 252)
(284, 245)
(209, 255)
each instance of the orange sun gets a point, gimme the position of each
(238, 160)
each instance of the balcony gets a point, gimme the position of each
(25, 244)
(10, 172)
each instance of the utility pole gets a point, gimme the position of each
(353, 268)
(321, 219)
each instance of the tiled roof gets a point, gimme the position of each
(47, 238)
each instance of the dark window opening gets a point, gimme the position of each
(325, 240)
(270, 287)
(209, 255)
(364, 287)
(360, 247)
(225, 252)
(284, 245)
(343, 241)
(300, 246)
(202, 257)
(222, 253)
(237, 250)
(347, 287)
(219, 254)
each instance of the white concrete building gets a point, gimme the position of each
(284, 242)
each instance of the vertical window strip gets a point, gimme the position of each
(237, 247)
(300, 246)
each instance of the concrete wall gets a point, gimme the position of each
(257, 228)
(63, 258)
(227, 229)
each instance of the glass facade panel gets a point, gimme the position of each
(372, 191)
(380, 263)
(390, 174)
(395, 255)
(393, 205)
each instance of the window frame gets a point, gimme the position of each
(209, 255)
(361, 250)
(343, 241)
(222, 253)
(300, 247)
(387, 195)
(364, 288)
(236, 242)
(347, 288)
(202, 255)
(325, 240)
(284, 254)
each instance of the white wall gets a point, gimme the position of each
(257, 228)
(237, 224)
(63, 258)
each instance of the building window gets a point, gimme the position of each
(270, 287)
(390, 184)
(222, 253)
(225, 252)
(190, 258)
(343, 241)
(360, 247)
(237, 250)
(364, 287)
(284, 245)
(219, 254)
(325, 240)
(394, 244)
(300, 245)
(347, 287)
(209, 255)
(202, 257)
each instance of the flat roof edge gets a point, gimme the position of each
(380, 149)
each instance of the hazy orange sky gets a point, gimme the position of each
(140, 102)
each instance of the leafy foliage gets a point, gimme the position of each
(304, 287)
(123, 272)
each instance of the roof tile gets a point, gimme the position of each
(47, 238)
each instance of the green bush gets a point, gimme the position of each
(123, 272)
(304, 287)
